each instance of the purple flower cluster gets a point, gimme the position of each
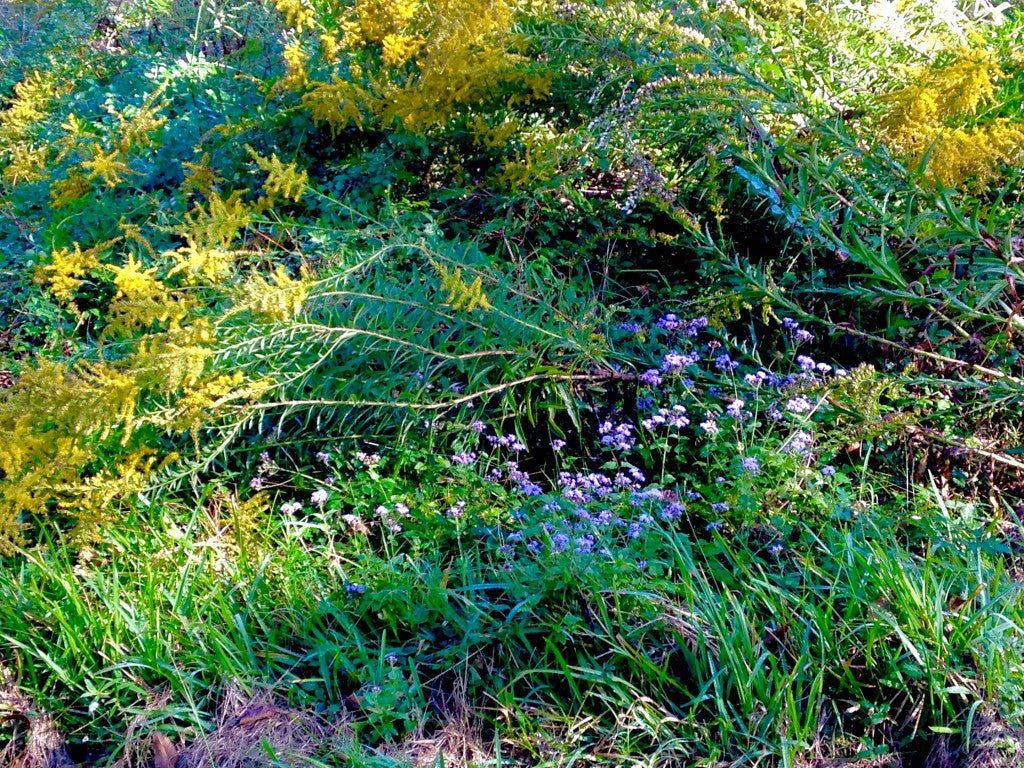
(799, 404)
(512, 442)
(673, 362)
(674, 417)
(670, 323)
(725, 363)
(798, 333)
(799, 443)
(616, 436)
(652, 378)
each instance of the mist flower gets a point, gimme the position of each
(751, 465)
(709, 425)
(799, 404)
(617, 436)
(675, 361)
(725, 363)
(696, 325)
(670, 323)
(651, 378)
(806, 363)
(319, 496)
(530, 488)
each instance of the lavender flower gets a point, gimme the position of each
(799, 404)
(557, 444)
(617, 436)
(696, 325)
(674, 361)
(806, 363)
(709, 425)
(464, 458)
(725, 363)
(672, 512)
(530, 489)
(799, 442)
(323, 457)
(651, 378)
(669, 323)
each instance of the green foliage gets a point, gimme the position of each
(615, 381)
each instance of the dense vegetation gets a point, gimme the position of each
(511, 382)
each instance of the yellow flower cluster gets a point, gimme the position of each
(339, 104)
(200, 176)
(929, 123)
(67, 270)
(63, 192)
(297, 14)
(110, 166)
(430, 61)
(32, 97)
(79, 440)
(371, 21)
(278, 299)
(296, 76)
(461, 295)
(398, 49)
(27, 163)
(284, 180)
(219, 222)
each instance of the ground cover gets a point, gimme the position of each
(486, 382)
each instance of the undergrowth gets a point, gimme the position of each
(487, 382)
